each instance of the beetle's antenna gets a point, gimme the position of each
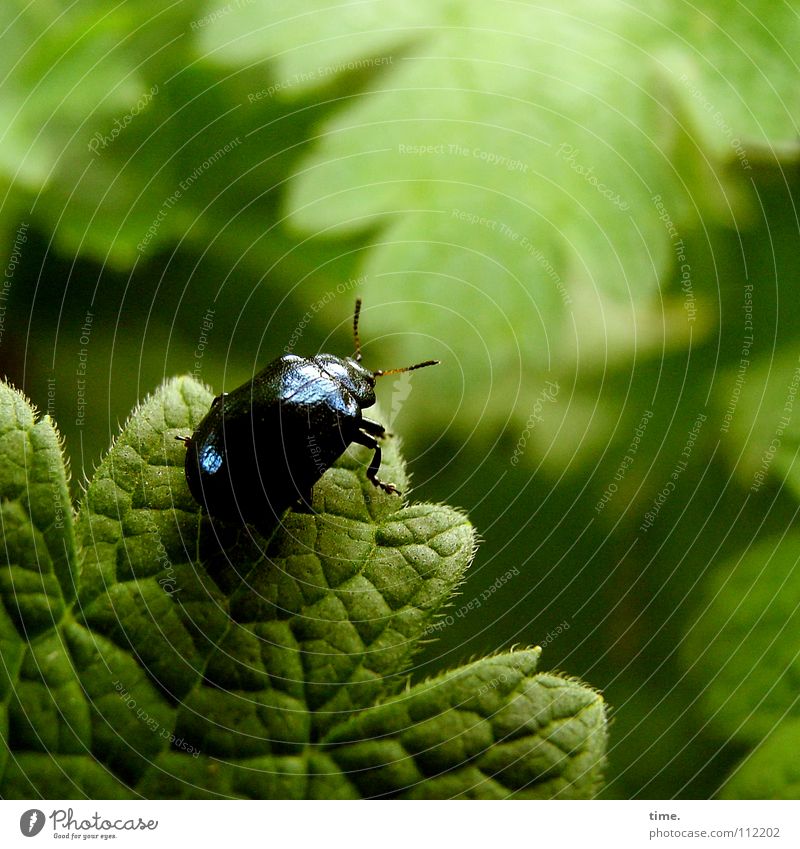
(382, 373)
(357, 355)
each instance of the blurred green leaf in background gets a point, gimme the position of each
(587, 211)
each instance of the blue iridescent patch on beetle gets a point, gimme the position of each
(210, 459)
(298, 383)
(307, 385)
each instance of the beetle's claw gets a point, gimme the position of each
(377, 482)
(386, 487)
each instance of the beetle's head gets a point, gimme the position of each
(356, 378)
(351, 375)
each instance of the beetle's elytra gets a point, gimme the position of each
(262, 447)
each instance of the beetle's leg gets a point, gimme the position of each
(372, 472)
(373, 427)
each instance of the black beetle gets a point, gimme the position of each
(262, 447)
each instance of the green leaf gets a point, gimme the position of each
(128, 143)
(202, 660)
(741, 649)
(761, 425)
(38, 559)
(526, 172)
(771, 771)
(492, 729)
(63, 71)
(44, 715)
(737, 83)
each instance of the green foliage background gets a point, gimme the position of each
(592, 197)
